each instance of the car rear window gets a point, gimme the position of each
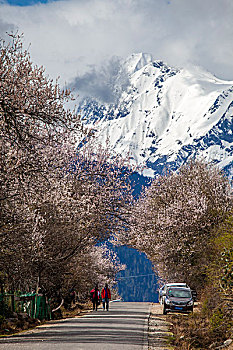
(179, 293)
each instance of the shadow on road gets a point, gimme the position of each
(113, 327)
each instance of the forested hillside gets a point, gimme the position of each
(138, 281)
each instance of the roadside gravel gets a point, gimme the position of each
(158, 329)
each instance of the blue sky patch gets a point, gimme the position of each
(27, 2)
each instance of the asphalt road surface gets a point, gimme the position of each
(123, 327)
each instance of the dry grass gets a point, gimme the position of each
(200, 330)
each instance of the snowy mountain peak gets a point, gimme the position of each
(137, 61)
(165, 116)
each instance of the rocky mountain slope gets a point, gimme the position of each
(164, 115)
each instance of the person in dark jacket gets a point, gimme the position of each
(95, 297)
(106, 296)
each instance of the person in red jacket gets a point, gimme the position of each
(106, 296)
(95, 297)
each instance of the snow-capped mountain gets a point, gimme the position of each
(166, 116)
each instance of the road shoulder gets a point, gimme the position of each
(158, 329)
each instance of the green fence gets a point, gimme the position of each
(35, 305)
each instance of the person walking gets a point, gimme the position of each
(106, 296)
(95, 297)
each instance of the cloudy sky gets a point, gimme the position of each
(75, 39)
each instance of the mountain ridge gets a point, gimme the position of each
(166, 116)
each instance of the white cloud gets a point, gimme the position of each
(106, 84)
(67, 36)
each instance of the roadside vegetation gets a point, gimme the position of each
(212, 321)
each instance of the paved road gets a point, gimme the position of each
(124, 327)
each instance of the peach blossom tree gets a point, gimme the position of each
(174, 221)
(57, 199)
